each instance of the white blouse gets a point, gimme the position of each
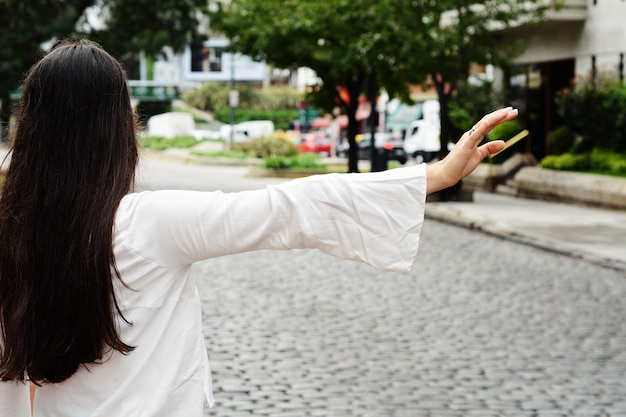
(374, 218)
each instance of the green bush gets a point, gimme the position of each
(506, 130)
(278, 104)
(599, 161)
(208, 97)
(278, 98)
(277, 162)
(213, 96)
(608, 162)
(307, 160)
(596, 111)
(267, 146)
(160, 143)
(567, 162)
(561, 140)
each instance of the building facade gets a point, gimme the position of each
(582, 39)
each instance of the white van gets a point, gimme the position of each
(421, 140)
(248, 130)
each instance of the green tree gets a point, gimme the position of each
(405, 41)
(444, 37)
(341, 40)
(24, 26)
(126, 27)
(147, 25)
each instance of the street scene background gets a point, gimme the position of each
(482, 326)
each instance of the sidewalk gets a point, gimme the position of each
(593, 234)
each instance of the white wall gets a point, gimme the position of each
(602, 34)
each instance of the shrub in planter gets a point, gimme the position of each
(277, 162)
(307, 160)
(208, 97)
(567, 162)
(596, 110)
(599, 161)
(561, 140)
(273, 145)
(608, 162)
(213, 96)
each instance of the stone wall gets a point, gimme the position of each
(571, 187)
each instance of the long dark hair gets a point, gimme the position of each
(73, 158)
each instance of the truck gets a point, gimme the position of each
(422, 138)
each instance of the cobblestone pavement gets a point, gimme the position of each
(481, 327)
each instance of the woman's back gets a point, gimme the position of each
(167, 373)
(73, 157)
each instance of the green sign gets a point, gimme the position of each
(154, 92)
(139, 92)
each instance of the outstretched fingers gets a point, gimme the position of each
(466, 155)
(476, 134)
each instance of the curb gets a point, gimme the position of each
(512, 236)
(572, 187)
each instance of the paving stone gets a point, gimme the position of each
(522, 333)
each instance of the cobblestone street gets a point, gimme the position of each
(481, 327)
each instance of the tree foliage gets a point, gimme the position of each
(341, 40)
(124, 27)
(447, 36)
(148, 25)
(595, 110)
(406, 41)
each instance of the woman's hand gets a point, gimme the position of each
(466, 154)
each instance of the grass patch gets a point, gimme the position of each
(223, 154)
(159, 143)
(299, 161)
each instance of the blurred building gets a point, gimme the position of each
(583, 38)
(212, 63)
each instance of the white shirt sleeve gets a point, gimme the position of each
(375, 218)
(14, 399)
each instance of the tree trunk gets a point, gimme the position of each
(353, 155)
(354, 89)
(446, 130)
(447, 194)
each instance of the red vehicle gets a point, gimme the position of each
(317, 142)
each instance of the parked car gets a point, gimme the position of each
(318, 143)
(392, 147)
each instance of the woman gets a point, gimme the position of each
(97, 304)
